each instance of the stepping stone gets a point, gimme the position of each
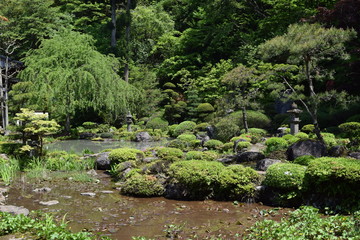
(49, 203)
(90, 194)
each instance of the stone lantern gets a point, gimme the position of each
(129, 121)
(294, 122)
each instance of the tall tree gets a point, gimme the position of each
(68, 74)
(309, 45)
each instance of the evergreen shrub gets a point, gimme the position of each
(275, 144)
(157, 123)
(255, 119)
(304, 160)
(186, 137)
(257, 131)
(198, 155)
(285, 176)
(142, 186)
(213, 144)
(226, 129)
(290, 138)
(186, 126)
(169, 154)
(205, 108)
(125, 154)
(302, 135)
(309, 128)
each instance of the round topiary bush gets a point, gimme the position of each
(201, 127)
(213, 144)
(142, 186)
(169, 85)
(179, 144)
(198, 155)
(157, 123)
(242, 138)
(186, 126)
(255, 119)
(205, 108)
(226, 129)
(258, 131)
(186, 137)
(285, 176)
(275, 144)
(290, 138)
(125, 154)
(236, 182)
(335, 179)
(309, 128)
(169, 154)
(302, 135)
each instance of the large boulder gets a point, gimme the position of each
(337, 151)
(249, 157)
(143, 137)
(306, 147)
(263, 164)
(103, 161)
(14, 209)
(355, 155)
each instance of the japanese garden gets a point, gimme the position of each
(180, 119)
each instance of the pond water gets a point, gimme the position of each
(78, 146)
(121, 217)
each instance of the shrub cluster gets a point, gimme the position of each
(125, 154)
(275, 144)
(169, 154)
(157, 123)
(186, 126)
(142, 186)
(204, 179)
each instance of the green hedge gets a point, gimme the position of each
(275, 144)
(213, 144)
(285, 176)
(142, 186)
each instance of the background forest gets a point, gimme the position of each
(205, 60)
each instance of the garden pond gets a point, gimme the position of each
(98, 207)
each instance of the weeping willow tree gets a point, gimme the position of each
(68, 74)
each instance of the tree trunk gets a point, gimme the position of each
(245, 120)
(67, 123)
(127, 39)
(2, 107)
(113, 22)
(308, 75)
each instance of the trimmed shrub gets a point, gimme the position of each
(142, 186)
(309, 128)
(201, 127)
(186, 137)
(329, 141)
(125, 154)
(236, 182)
(255, 119)
(227, 147)
(157, 123)
(240, 137)
(258, 131)
(285, 176)
(302, 135)
(286, 181)
(205, 108)
(275, 144)
(254, 138)
(241, 145)
(10, 148)
(186, 126)
(197, 176)
(177, 143)
(226, 129)
(171, 130)
(290, 138)
(213, 144)
(304, 160)
(197, 155)
(169, 154)
(169, 85)
(106, 135)
(89, 125)
(335, 178)
(351, 130)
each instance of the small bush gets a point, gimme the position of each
(142, 186)
(258, 131)
(254, 138)
(169, 85)
(248, 139)
(187, 126)
(205, 108)
(177, 143)
(106, 135)
(187, 137)
(90, 125)
(309, 128)
(275, 144)
(302, 135)
(171, 129)
(226, 129)
(335, 178)
(170, 154)
(236, 182)
(351, 130)
(242, 145)
(304, 160)
(201, 127)
(255, 119)
(329, 141)
(125, 154)
(197, 155)
(227, 147)
(290, 138)
(157, 123)
(213, 144)
(285, 176)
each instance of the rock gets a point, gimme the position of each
(90, 194)
(102, 161)
(49, 203)
(355, 155)
(337, 151)
(236, 143)
(87, 135)
(42, 190)
(226, 159)
(143, 137)
(14, 209)
(4, 156)
(249, 157)
(107, 191)
(175, 191)
(150, 159)
(263, 164)
(92, 172)
(306, 147)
